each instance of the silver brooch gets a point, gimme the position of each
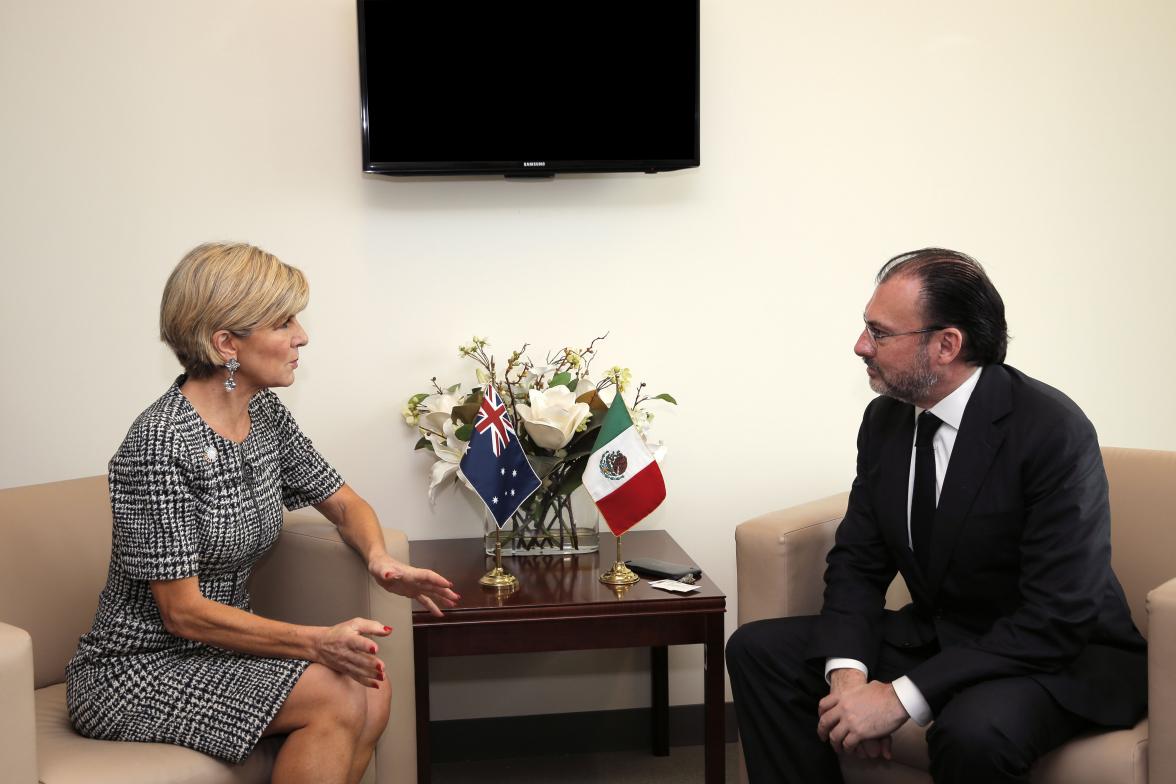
(210, 453)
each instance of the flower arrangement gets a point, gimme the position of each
(557, 409)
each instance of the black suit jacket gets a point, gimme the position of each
(1019, 581)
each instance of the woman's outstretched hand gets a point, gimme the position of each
(344, 648)
(426, 586)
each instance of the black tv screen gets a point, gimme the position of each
(526, 88)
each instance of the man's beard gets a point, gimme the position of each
(909, 386)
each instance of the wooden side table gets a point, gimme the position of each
(562, 606)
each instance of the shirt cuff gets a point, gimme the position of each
(912, 699)
(841, 664)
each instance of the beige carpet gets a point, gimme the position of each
(683, 766)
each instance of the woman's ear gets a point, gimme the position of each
(225, 344)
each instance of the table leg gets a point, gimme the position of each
(420, 644)
(659, 700)
(713, 699)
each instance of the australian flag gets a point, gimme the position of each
(494, 463)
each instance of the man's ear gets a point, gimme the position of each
(948, 346)
(225, 344)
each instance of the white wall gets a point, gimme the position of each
(1036, 136)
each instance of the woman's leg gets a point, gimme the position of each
(325, 717)
(379, 702)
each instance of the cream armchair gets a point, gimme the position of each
(53, 558)
(781, 560)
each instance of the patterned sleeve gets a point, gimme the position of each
(155, 535)
(307, 478)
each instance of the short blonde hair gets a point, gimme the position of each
(232, 286)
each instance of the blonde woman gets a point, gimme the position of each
(197, 490)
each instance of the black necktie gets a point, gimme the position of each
(923, 497)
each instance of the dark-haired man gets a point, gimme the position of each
(985, 489)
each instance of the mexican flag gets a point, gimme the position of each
(622, 476)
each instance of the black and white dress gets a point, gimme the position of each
(188, 502)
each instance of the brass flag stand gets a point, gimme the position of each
(498, 578)
(619, 574)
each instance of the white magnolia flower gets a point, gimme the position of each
(449, 450)
(435, 410)
(553, 416)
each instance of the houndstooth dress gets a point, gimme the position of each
(188, 502)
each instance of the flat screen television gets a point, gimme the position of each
(527, 88)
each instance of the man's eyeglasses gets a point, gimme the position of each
(876, 335)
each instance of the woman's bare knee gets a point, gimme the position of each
(349, 708)
(379, 704)
(322, 697)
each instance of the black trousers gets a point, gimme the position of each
(988, 733)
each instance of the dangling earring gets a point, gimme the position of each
(233, 366)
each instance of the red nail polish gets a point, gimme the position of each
(387, 628)
(379, 676)
(373, 649)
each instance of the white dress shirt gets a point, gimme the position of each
(951, 411)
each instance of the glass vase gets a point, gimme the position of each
(548, 523)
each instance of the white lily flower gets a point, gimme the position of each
(449, 450)
(442, 472)
(553, 416)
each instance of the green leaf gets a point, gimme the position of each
(464, 432)
(581, 443)
(416, 399)
(561, 380)
(424, 443)
(453, 388)
(468, 411)
(575, 383)
(666, 397)
(570, 483)
(544, 464)
(574, 476)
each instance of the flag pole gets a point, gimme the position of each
(619, 574)
(498, 578)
